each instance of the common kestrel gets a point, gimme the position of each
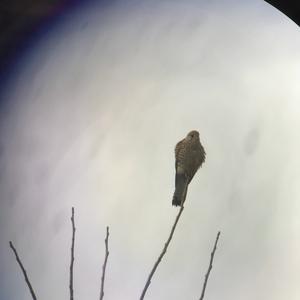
(189, 156)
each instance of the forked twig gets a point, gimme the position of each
(23, 270)
(72, 256)
(209, 267)
(161, 255)
(104, 264)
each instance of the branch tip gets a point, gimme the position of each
(23, 271)
(210, 266)
(162, 253)
(104, 264)
(72, 256)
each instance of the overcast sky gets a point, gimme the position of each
(91, 120)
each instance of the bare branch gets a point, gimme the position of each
(162, 254)
(104, 264)
(209, 267)
(72, 256)
(23, 270)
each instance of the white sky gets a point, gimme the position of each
(94, 113)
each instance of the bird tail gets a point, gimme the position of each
(181, 185)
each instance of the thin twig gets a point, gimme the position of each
(72, 256)
(162, 254)
(209, 267)
(104, 264)
(23, 270)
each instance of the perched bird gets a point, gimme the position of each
(189, 156)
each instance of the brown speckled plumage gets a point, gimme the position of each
(189, 156)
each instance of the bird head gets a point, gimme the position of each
(194, 134)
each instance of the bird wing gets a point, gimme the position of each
(200, 160)
(178, 152)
